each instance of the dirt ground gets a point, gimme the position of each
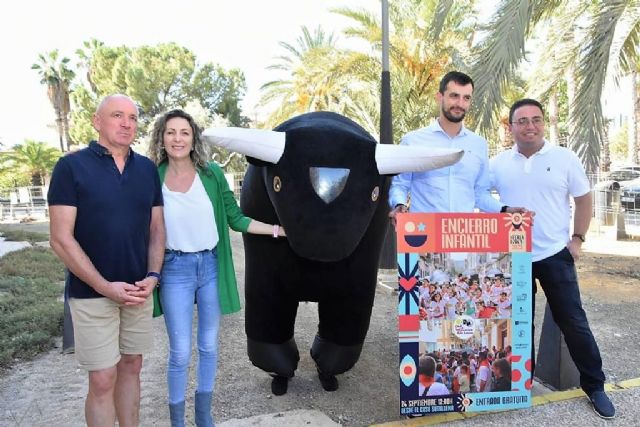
(50, 390)
(610, 278)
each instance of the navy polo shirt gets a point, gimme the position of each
(113, 211)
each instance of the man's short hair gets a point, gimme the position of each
(455, 76)
(427, 366)
(522, 103)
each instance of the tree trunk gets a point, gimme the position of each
(633, 144)
(37, 179)
(506, 135)
(60, 126)
(554, 132)
(605, 159)
(52, 92)
(67, 136)
(571, 90)
(66, 110)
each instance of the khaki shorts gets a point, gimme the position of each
(104, 329)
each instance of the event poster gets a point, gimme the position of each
(464, 312)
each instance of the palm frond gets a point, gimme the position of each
(627, 40)
(498, 57)
(560, 49)
(367, 24)
(543, 9)
(439, 17)
(587, 123)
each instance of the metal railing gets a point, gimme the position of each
(23, 202)
(611, 202)
(614, 205)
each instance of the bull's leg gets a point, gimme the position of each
(269, 324)
(333, 359)
(341, 333)
(279, 360)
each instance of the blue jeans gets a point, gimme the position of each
(189, 277)
(557, 276)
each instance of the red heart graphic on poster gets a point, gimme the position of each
(408, 284)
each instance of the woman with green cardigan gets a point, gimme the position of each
(199, 209)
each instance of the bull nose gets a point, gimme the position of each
(328, 183)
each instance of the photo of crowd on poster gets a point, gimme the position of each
(465, 323)
(473, 284)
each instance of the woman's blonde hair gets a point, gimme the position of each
(199, 155)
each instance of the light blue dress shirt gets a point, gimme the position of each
(457, 188)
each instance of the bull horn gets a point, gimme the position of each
(395, 159)
(265, 145)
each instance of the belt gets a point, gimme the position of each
(179, 252)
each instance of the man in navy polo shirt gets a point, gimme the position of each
(105, 204)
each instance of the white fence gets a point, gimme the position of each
(23, 202)
(611, 205)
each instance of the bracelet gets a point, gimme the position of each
(579, 236)
(153, 274)
(276, 230)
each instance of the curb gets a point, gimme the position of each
(556, 396)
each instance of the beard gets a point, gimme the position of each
(453, 119)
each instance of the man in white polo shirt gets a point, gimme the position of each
(542, 177)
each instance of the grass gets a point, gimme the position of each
(31, 307)
(15, 234)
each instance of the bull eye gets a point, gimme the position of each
(277, 184)
(375, 193)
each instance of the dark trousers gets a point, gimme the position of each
(557, 276)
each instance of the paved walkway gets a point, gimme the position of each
(562, 408)
(549, 408)
(6, 247)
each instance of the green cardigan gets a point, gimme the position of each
(227, 214)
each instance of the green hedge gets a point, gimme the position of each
(31, 307)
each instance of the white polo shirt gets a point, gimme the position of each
(542, 183)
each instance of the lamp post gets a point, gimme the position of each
(388, 255)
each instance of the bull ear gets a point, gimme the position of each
(395, 159)
(265, 145)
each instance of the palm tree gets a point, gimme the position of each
(86, 55)
(57, 76)
(423, 48)
(608, 43)
(427, 39)
(33, 158)
(633, 146)
(312, 82)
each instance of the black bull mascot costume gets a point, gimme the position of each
(325, 180)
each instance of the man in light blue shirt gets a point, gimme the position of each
(458, 188)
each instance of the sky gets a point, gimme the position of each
(233, 33)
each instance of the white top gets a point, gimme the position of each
(472, 366)
(543, 183)
(189, 220)
(484, 374)
(504, 309)
(457, 188)
(436, 389)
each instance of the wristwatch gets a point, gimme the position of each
(504, 209)
(579, 236)
(154, 274)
